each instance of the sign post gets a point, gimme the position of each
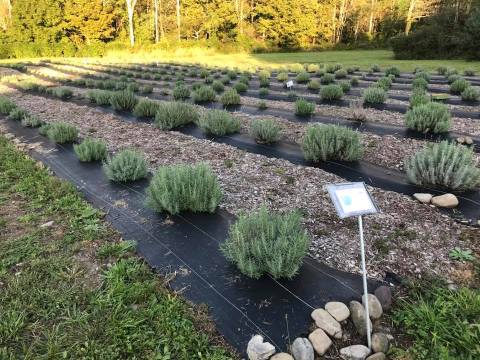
(353, 199)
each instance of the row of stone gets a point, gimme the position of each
(444, 201)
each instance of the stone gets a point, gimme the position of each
(338, 310)
(468, 140)
(320, 341)
(355, 352)
(374, 307)
(384, 295)
(259, 350)
(327, 323)
(380, 343)
(445, 201)
(281, 356)
(47, 224)
(461, 140)
(357, 312)
(377, 356)
(424, 198)
(302, 349)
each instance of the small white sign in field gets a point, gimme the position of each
(289, 84)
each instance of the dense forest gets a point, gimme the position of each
(91, 27)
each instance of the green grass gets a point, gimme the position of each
(58, 297)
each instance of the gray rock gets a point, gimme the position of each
(320, 341)
(259, 350)
(468, 140)
(374, 307)
(377, 356)
(47, 224)
(355, 352)
(357, 312)
(424, 198)
(338, 310)
(281, 356)
(461, 140)
(302, 349)
(380, 343)
(445, 201)
(384, 295)
(326, 322)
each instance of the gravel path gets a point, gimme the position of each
(405, 237)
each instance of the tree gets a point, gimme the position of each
(130, 11)
(5, 13)
(418, 9)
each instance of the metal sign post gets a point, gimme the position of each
(353, 199)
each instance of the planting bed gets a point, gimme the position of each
(405, 239)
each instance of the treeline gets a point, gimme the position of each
(91, 27)
(451, 31)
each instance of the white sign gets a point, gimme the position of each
(351, 199)
(289, 84)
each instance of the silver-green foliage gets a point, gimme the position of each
(265, 131)
(127, 165)
(146, 108)
(419, 83)
(62, 132)
(458, 86)
(374, 95)
(180, 188)
(384, 82)
(31, 121)
(175, 114)
(331, 142)
(181, 92)
(331, 92)
(218, 123)
(418, 97)
(17, 114)
(263, 243)
(430, 117)
(91, 150)
(230, 97)
(470, 94)
(445, 165)
(123, 100)
(6, 105)
(303, 77)
(204, 94)
(99, 97)
(304, 107)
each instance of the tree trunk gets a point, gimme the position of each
(155, 19)
(130, 11)
(409, 20)
(178, 19)
(370, 22)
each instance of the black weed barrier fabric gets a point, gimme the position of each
(188, 246)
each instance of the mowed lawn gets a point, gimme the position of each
(70, 288)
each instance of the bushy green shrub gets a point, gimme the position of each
(423, 75)
(265, 131)
(31, 121)
(430, 117)
(331, 142)
(127, 165)
(262, 92)
(296, 68)
(263, 243)
(240, 87)
(331, 92)
(340, 74)
(180, 188)
(218, 123)
(441, 70)
(418, 97)
(451, 71)
(181, 92)
(132, 87)
(470, 94)
(171, 115)
(420, 83)
(225, 80)
(445, 165)
(218, 86)
(282, 77)
(392, 71)
(244, 79)
(62, 132)
(62, 93)
(203, 73)
(385, 83)
(304, 107)
(123, 100)
(302, 77)
(374, 95)
(204, 94)
(452, 78)
(264, 82)
(345, 85)
(43, 129)
(262, 105)
(354, 81)
(232, 75)
(331, 68)
(458, 86)
(146, 108)
(146, 89)
(313, 68)
(313, 85)
(17, 114)
(91, 150)
(469, 72)
(99, 97)
(327, 79)
(230, 97)
(376, 68)
(264, 74)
